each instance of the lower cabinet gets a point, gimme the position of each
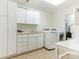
(22, 43)
(40, 41)
(32, 42)
(29, 42)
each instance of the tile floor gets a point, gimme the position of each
(39, 54)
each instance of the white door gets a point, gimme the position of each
(32, 42)
(12, 27)
(20, 15)
(40, 40)
(22, 43)
(36, 17)
(29, 16)
(3, 36)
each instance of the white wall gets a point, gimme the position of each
(46, 19)
(60, 17)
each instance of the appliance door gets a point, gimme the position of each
(50, 40)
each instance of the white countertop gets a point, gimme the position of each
(24, 33)
(70, 44)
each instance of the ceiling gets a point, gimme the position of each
(45, 6)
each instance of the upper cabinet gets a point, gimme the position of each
(20, 15)
(28, 16)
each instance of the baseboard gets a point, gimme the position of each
(23, 53)
(26, 52)
(49, 49)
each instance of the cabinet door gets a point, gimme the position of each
(20, 15)
(32, 42)
(12, 8)
(12, 27)
(3, 7)
(36, 17)
(40, 41)
(3, 37)
(50, 40)
(22, 43)
(29, 16)
(54, 40)
(11, 35)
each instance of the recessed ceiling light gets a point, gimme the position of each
(55, 2)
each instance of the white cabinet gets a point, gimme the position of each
(11, 35)
(20, 15)
(36, 17)
(32, 42)
(11, 27)
(32, 16)
(7, 28)
(12, 8)
(50, 40)
(29, 42)
(40, 40)
(29, 16)
(3, 28)
(22, 43)
(3, 7)
(3, 36)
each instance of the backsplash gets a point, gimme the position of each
(27, 27)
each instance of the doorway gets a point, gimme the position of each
(70, 21)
